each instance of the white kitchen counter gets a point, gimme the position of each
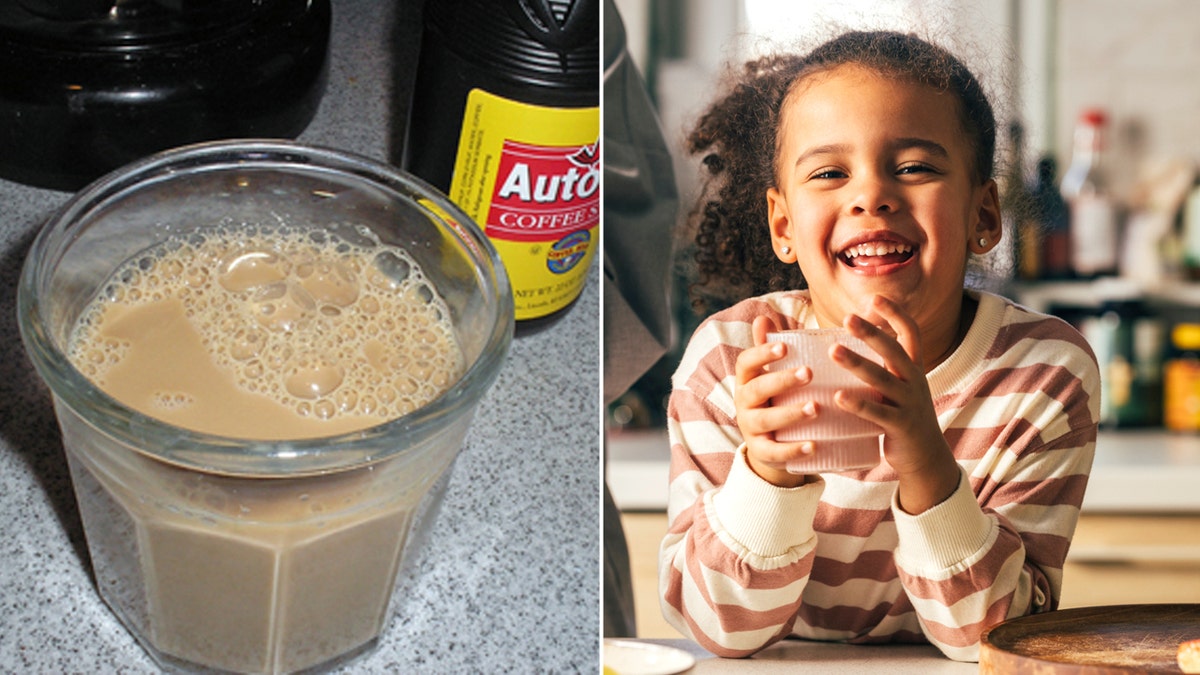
(1143, 472)
(817, 657)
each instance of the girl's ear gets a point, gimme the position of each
(988, 227)
(781, 226)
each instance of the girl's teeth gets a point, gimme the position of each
(876, 249)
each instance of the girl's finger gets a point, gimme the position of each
(871, 373)
(753, 361)
(877, 338)
(760, 327)
(762, 421)
(758, 390)
(881, 413)
(895, 357)
(908, 334)
(779, 454)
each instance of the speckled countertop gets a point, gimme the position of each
(508, 579)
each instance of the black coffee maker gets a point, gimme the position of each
(89, 85)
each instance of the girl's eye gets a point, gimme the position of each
(914, 168)
(826, 174)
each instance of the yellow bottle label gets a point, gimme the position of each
(530, 177)
(1181, 395)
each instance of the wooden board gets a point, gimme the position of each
(1091, 641)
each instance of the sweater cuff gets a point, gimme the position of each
(766, 519)
(952, 534)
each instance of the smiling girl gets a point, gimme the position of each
(850, 187)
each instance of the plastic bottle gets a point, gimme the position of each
(1093, 212)
(1181, 380)
(505, 119)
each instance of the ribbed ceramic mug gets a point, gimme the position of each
(843, 441)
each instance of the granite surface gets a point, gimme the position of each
(507, 580)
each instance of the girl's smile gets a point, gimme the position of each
(875, 253)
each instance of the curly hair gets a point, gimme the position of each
(738, 138)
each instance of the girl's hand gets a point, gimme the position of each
(757, 419)
(914, 445)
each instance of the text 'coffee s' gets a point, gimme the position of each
(505, 119)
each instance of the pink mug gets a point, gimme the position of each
(843, 441)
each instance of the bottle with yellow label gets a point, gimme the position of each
(1181, 380)
(505, 119)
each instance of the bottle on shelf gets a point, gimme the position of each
(1181, 380)
(1048, 253)
(1093, 211)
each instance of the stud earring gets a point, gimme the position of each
(786, 250)
(983, 242)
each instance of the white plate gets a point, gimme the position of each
(627, 657)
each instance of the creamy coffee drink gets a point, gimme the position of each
(280, 336)
(252, 333)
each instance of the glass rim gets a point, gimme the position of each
(213, 453)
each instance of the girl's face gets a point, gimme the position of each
(875, 196)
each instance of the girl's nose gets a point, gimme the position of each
(873, 195)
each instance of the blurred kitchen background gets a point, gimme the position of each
(1099, 146)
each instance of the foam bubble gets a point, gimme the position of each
(331, 283)
(408, 386)
(369, 305)
(246, 344)
(390, 271)
(346, 399)
(196, 277)
(171, 400)
(172, 269)
(325, 409)
(367, 405)
(313, 378)
(286, 308)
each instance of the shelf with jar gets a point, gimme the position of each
(1146, 338)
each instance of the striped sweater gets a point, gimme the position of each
(745, 563)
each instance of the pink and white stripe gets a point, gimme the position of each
(745, 563)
